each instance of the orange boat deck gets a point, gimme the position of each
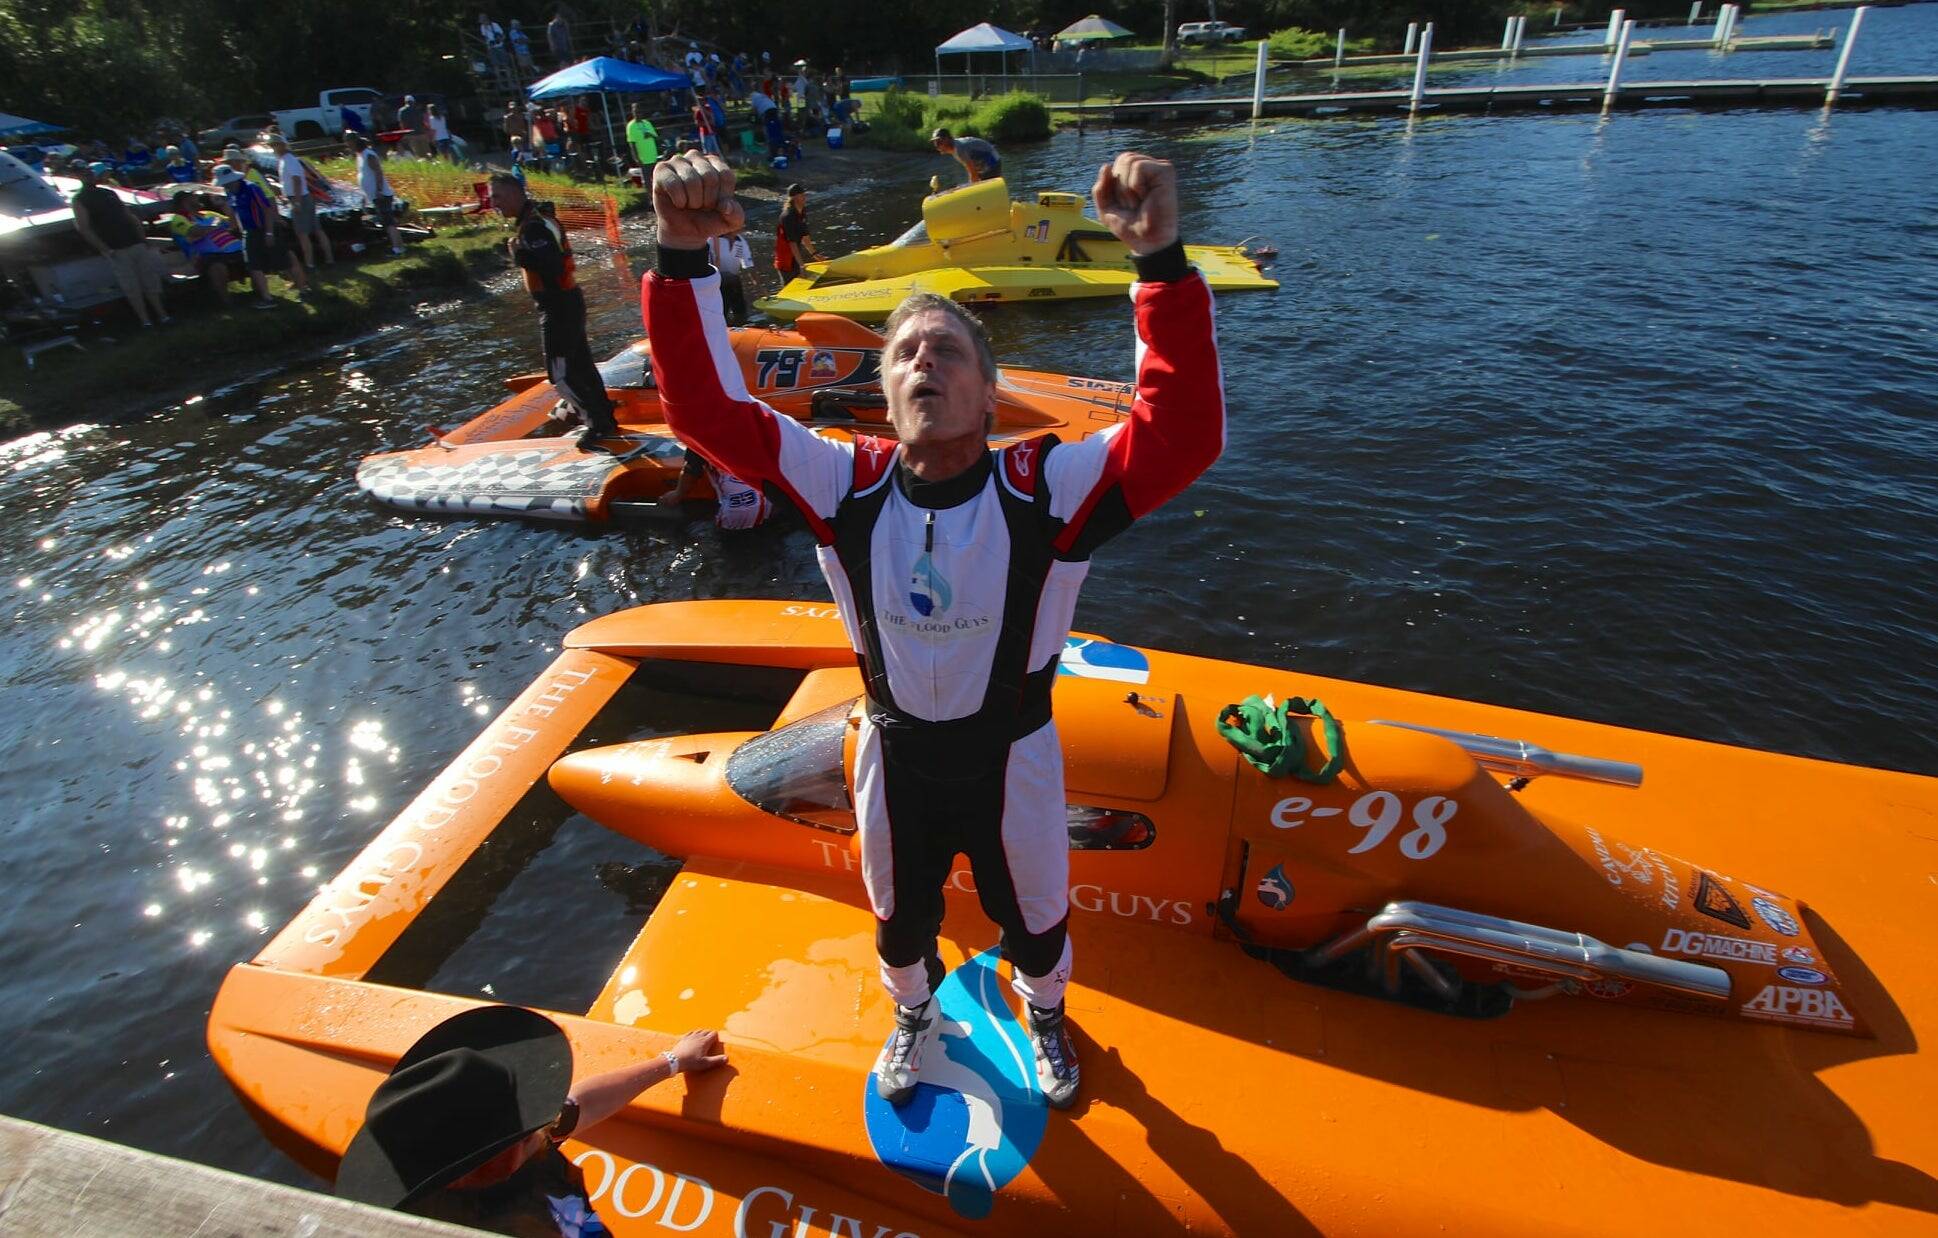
(1219, 1095)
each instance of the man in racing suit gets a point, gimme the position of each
(956, 571)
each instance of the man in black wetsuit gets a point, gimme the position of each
(543, 253)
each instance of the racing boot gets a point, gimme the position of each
(590, 437)
(1056, 1056)
(899, 1065)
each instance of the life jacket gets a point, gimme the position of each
(568, 270)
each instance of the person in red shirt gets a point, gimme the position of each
(581, 121)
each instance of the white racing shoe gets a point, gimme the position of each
(899, 1065)
(1056, 1056)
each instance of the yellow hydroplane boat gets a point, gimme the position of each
(974, 245)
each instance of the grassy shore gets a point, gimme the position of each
(128, 368)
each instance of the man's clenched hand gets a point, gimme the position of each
(1137, 198)
(693, 200)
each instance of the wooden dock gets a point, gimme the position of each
(1638, 47)
(56, 1182)
(1745, 92)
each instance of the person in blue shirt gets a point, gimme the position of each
(255, 218)
(977, 157)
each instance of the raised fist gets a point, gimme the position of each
(693, 200)
(1137, 199)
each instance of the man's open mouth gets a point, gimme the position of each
(923, 389)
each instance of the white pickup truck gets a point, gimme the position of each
(1209, 32)
(325, 120)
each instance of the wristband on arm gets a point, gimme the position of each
(1163, 266)
(684, 263)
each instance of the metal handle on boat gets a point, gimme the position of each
(1409, 926)
(1520, 759)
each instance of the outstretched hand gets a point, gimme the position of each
(698, 1051)
(1137, 199)
(693, 200)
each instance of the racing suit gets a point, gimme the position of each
(957, 596)
(543, 253)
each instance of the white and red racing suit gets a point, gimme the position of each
(957, 596)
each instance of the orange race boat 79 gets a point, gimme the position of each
(1409, 964)
(824, 371)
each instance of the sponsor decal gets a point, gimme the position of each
(1776, 917)
(1608, 987)
(1716, 946)
(778, 367)
(1718, 903)
(1043, 230)
(976, 1117)
(683, 1203)
(928, 589)
(1637, 864)
(823, 364)
(1803, 975)
(1779, 1003)
(1098, 384)
(1275, 888)
(1095, 659)
(1798, 954)
(1084, 896)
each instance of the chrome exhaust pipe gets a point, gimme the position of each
(1520, 759)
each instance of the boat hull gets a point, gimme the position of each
(1220, 1096)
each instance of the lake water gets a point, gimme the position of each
(1634, 420)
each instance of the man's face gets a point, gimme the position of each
(509, 199)
(934, 381)
(944, 145)
(798, 202)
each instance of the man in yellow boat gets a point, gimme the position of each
(977, 157)
(956, 571)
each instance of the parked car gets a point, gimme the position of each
(325, 120)
(1209, 32)
(235, 131)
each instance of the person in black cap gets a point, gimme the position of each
(467, 1127)
(793, 247)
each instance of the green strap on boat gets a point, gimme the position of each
(1266, 736)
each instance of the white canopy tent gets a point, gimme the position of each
(983, 37)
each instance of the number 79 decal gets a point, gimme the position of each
(1379, 813)
(779, 367)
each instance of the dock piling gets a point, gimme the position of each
(1339, 49)
(1615, 20)
(1258, 84)
(1507, 34)
(1725, 25)
(1420, 69)
(1615, 69)
(1844, 55)
(1412, 38)
(1520, 33)
(1695, 12)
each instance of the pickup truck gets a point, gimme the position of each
(1209, 32)
(326, 118)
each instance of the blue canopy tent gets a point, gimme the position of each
(982, 38)
(603, 75)
(12, 126)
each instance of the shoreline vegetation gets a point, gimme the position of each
(127, 368)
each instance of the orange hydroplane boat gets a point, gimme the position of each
(824, 371)
(1501, 973)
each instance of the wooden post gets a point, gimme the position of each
(1258, 84)
(1615, 70)
(1844, 56)
(1420, 69)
